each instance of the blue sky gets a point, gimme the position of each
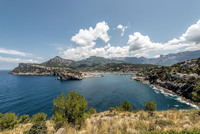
(36, 30)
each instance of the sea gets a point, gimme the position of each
(33, 94)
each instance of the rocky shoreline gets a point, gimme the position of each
(144, 80)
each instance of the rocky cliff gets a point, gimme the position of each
(39, 69)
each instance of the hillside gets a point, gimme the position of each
(181, 78)
(136, 122)
(165, 60)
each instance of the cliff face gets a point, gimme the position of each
(180, 78)
(182, 89)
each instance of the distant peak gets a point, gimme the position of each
(57, 57)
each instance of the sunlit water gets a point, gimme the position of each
(33, 94)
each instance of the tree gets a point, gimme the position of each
(125, 106)
(72, 107)
(150, 105)
(196, 94)
(8, 121)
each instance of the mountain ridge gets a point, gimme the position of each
(164, 60)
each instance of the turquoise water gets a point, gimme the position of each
(33, 94)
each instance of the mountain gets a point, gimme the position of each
(93, 61)
(69, 69)
(58, 62)
(165, 60)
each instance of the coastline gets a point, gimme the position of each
(165, 90)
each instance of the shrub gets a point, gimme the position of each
(59, 119)
(125, 106)
(37, 128)
(111, 109)
(24, 119)
(92, 111)
(8, 121)
(196, 94)
(72, 107)
(40, 117)
(0, 115)
(164, 123)
(150, 105)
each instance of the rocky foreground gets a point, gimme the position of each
(136, 122)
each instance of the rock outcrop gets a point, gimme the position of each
(37, 69)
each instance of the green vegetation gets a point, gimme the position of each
(125, 106)
(24, 119)
(195, 131)
(8, 121)
(38, 118)
(71, 107)
(150, 105)
(91, 111)
(37, 128)
(196, 94)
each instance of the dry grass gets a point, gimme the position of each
(140, 122)
(129, 123)
(19, 129)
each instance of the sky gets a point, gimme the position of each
(34, 31)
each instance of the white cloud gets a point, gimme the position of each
(16, 60)
(14, 52)
(192, 34)
(88, 37)
(142, 46)
(108, 51)
(122, 28)
(138, 45)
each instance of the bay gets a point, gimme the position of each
(33, 94)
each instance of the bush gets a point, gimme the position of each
(71, 107)
(37, 128)
(38, 118)
(163, 123)
(196, 93)
(150, 106)
(111, 109)
(0, 115)
(59, 119)
(8, 121)
(24, 119)
(92, 111)
(125, 106)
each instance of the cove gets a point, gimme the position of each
(33, 94)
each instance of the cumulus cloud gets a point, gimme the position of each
(137, 45)
(87, 37)
(16, 60)
(122, 28)
(14, 52)
(141, 45)
(192, 34)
